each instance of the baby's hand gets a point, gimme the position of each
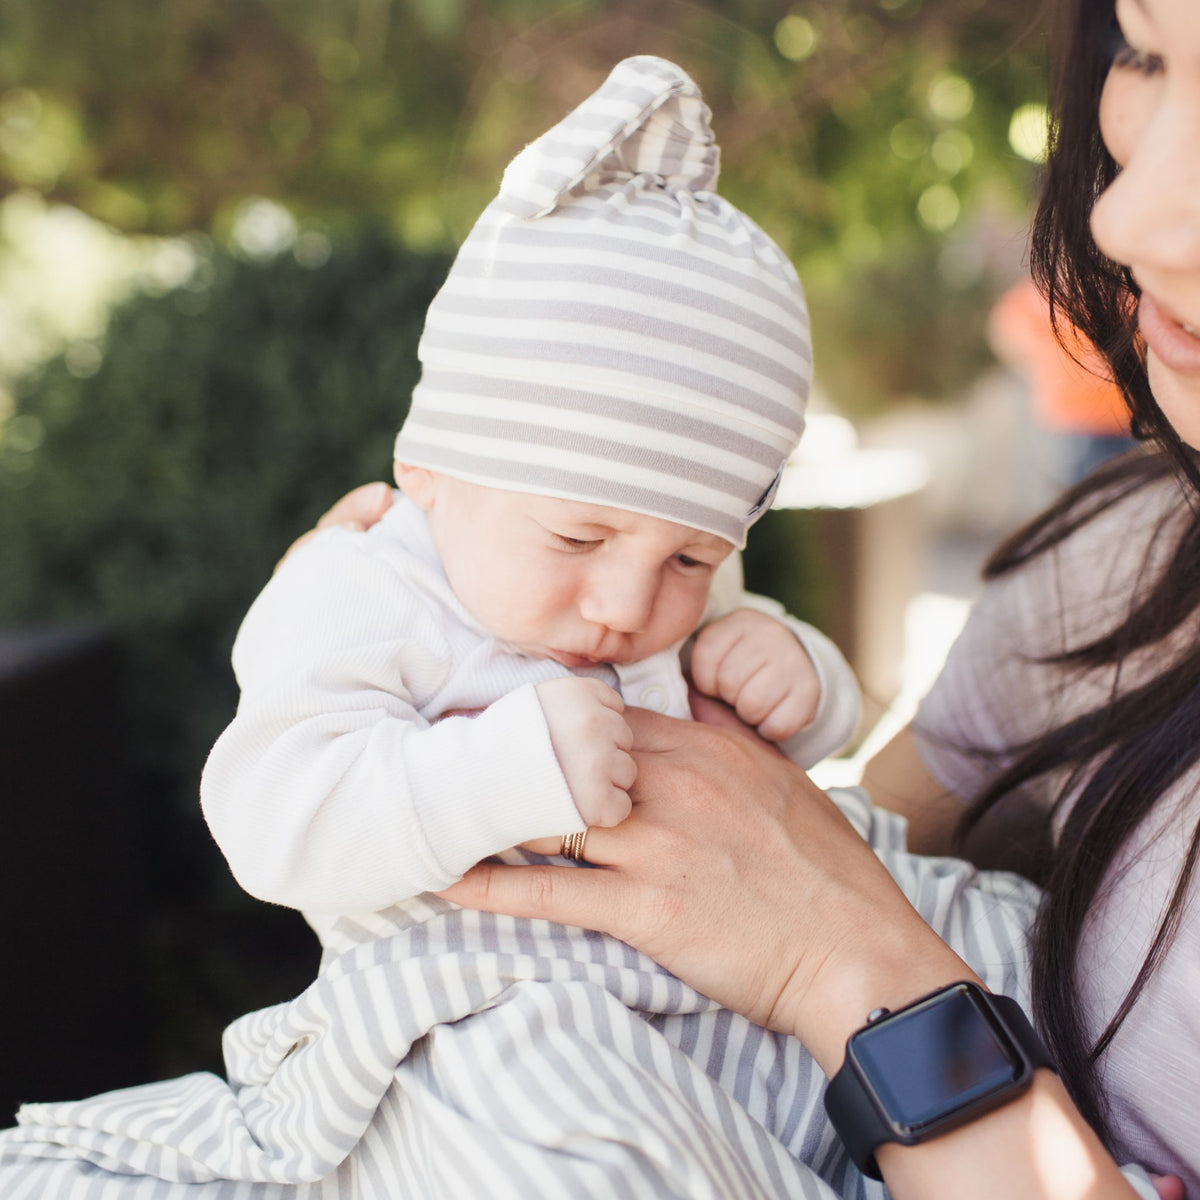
(759, 668)
(592, 742)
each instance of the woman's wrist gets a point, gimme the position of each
(899, 961)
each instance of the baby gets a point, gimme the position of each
(605, 591)
(614, 374)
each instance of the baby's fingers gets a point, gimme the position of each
(610, 805)
(756, 695)
(793, 713)
(611, 809)
(624, 772)
(603, 694)
(710, 649)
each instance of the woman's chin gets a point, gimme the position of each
(1178, 395)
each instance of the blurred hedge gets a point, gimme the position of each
(156, 485)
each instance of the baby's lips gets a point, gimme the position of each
(459, 712)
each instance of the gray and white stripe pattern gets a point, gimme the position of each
(443, 1053)
(614, 331)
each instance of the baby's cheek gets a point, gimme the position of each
(688, 611)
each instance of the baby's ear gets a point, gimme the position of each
(419, 484)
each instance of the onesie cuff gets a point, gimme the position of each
(483, 784)
(839, 708)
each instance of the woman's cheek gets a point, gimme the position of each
(1117, 104)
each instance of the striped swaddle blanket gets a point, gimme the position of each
(446, 1053)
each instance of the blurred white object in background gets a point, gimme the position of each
(829, 469)
(902, 519)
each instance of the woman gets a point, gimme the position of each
(743, 879)
(1075, 690)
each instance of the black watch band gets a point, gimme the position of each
(929, 1067)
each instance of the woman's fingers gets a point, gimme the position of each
(546, 846)
(653, 732)
(590, 899)
(359, 509)
(737, 874)
(599, 851)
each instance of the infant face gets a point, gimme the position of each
(576, 582)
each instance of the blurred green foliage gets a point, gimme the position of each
(154, 476)
(865, 135)
(220, 419)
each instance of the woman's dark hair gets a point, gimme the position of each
(1123, 756)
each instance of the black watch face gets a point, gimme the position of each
(935, 1059)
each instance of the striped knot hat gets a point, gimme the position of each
(612, 330)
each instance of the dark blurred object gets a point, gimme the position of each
(154, 488)
(844, 548)
(73, 1015)
(159, 486)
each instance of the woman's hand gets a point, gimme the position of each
(739, 875)
(359, 509)
(1169, 1187)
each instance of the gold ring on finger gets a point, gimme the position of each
(573, 844)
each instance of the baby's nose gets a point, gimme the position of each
(621, 601)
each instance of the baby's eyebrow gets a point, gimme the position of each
(583, 518)
(710, 541)
(587, 524)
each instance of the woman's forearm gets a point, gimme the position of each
(897, 779)
(1037, 1147)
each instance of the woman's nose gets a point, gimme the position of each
(620, 600)
(1149, 216)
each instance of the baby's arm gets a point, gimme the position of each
(329, 791)
(779, 674)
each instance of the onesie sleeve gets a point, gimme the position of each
(329, 792)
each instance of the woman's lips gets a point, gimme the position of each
(1175, 346)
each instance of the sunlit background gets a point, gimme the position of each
(889, 145)
(220, 224)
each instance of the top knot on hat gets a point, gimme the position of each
(612, 329)
(647, 118)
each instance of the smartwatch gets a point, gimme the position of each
(929, 1067)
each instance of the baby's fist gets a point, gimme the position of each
(757, 665)
(591, 740)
